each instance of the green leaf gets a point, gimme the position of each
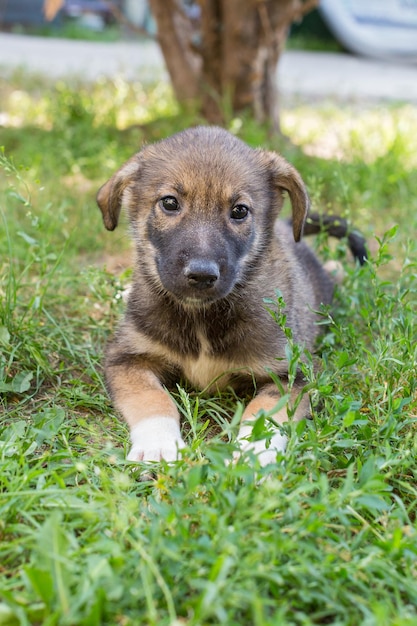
(19, 384)
(349, 418)
(373, 502)
(47, 424)
(42, 583)
(30, 240)
(53, 555)
(7, 616)
(4, 335)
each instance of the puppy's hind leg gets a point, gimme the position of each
(149, 411)
(267, 400)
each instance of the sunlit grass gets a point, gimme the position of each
(122, 103)
(353, 132)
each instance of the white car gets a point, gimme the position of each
(385, 29)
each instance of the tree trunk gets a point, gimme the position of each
(229, 64)
(175, 35)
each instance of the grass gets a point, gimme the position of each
(330, 537)
(71, 29)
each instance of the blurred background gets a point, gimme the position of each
(381, 28)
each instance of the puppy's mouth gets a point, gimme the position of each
(196, 303)
(197, 298)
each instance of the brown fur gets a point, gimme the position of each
(202, 270)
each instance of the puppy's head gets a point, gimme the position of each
(202, 205)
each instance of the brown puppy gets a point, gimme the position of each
(203, 210)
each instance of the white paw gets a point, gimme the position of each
(156, 439)
(266, 455)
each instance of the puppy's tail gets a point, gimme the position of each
(337, 227)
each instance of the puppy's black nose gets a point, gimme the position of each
(202, 274)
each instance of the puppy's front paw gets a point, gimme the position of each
(169, 451)
(266, 455)
(156, 439)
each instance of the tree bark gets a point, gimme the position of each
(175, 36)
(253, 35)
(230, 65)
(211, 90)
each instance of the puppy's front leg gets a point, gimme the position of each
(266, 400)
(148, 409)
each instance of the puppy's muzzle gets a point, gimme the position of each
(202, 274)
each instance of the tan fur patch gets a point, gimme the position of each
(139, 395)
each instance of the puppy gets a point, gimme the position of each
(203, 210)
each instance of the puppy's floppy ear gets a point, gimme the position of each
(109, 196)
(285, 177)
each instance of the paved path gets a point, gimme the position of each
(306, 74)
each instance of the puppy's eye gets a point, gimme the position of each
(239, 212)
(169, 204)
